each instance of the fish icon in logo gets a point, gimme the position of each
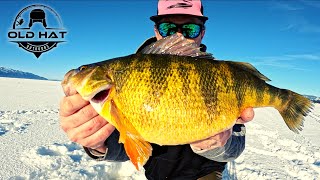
(37, 15)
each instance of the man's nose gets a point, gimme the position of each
(179, 32)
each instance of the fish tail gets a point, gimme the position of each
(294, 109)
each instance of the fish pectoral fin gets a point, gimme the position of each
(135, 146)
(137, 149)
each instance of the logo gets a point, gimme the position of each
(37, 29)
(186, 4)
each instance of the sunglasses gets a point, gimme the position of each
(189, 30)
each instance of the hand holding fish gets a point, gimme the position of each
(220, 139)
(82, 123)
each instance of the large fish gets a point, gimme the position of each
(171, 93)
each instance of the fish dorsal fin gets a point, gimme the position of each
(176, 45)
(250, 68)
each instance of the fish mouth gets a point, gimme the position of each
(101, 95)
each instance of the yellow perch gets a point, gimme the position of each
(171, 93)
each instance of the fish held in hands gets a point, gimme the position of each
(171, 93)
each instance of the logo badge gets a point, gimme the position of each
(37, 29)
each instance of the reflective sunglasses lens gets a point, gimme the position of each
(191, 30)
(167, 29)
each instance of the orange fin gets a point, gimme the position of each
(137, 149)
(135, 146)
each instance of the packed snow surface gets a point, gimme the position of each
(34, 147)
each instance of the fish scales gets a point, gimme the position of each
(154, 94)
(206, 84)
(157, 102)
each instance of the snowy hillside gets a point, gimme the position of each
(7, 72)
(34, 147)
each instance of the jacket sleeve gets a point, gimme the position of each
(231, 150)
(115, 151)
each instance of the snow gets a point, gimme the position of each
(34, 147)
(274, 152)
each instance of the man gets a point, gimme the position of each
(202, 158)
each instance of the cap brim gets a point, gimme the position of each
(158, 17)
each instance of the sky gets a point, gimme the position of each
(280, 38)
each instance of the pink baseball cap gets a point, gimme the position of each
(179, 7)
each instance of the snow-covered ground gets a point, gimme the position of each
(34, 147)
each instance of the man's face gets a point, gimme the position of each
(181, 19)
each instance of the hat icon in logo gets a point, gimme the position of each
(37, 15)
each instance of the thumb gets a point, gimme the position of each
(246, 116)
(69, 90)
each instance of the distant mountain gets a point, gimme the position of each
(8, 72)
(313, 98)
